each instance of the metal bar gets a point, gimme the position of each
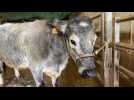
(125, 19)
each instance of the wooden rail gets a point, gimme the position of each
(124, 46)
(131, 19)
(96, 16)
(125, 19)
(126, 71)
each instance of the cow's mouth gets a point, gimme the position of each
(86, 67)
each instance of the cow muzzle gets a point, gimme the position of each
(86, 67)
(85, 62)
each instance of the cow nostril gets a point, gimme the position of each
(85, 74)
(88, 73)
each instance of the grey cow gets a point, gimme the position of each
(45, 46)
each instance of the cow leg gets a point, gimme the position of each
(39, 83)
(1, 74)
(38, 78)
(54, 75)
(16, 70)
(17, 73)
(55, 81)
(57, 84)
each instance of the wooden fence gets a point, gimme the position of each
(111, 56)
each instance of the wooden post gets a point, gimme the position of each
(116, 53)
(103, 26)
(103, 39)
(125, 19)
(131, 33)
(108, 67)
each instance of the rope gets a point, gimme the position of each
(102, 47)
(76, 57)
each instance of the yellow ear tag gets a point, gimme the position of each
(54, 31)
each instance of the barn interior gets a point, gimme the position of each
(114, 63)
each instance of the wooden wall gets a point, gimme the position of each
(125, 26)
(126, 58)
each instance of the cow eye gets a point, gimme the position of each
(73, 42)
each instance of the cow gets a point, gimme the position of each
(45, 46)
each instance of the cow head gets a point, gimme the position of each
(81, 40)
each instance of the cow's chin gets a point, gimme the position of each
(86, 68)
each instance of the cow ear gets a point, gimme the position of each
(58, 26)
(94, 26)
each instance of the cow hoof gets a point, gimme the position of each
(17, 74)
(1, 81)
(40, 84)
(1, 84)
(57, 84)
